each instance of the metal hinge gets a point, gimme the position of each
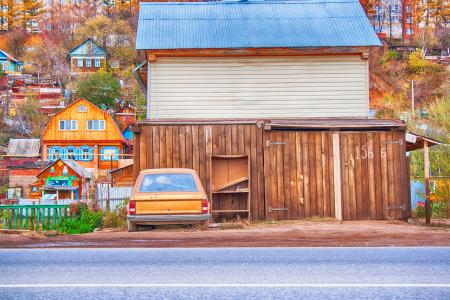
(393, 207)
(269, 143)
(271, 209)
(399, 142)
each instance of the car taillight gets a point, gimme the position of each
(132, 207)
(205, 206)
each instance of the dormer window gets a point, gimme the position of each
(96, 125)
(68, 125)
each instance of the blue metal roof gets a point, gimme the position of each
(87, 48)
(253, 24)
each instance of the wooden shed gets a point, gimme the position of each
(349, 169)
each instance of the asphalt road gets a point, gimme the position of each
(226, 273)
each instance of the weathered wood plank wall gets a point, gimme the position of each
(374, 175)
(291, 171)
(189, 146)
(298, 174)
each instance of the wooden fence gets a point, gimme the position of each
(33, 217)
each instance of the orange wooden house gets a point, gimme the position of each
(86, 134)
(62, 179)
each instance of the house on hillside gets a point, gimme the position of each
(126, 117)
(87, 58)
(87, 134)
(123, 176)
(9, 64)
(61, 179)
(269, 102)
(22, 161)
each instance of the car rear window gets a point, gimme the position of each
(172, 182)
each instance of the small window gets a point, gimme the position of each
(409, 31)
(85, 153)
(79, 62)
(68, 125)
(97, 62)
(55, 152)
(82, 109)
(88, 63)
(169, 182)
(96, 125)
(109, 153)
(71, 153)
(34, 189)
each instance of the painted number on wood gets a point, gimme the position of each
(366, 152)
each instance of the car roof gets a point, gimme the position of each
(168, 170)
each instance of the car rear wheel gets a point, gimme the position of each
(131, 226)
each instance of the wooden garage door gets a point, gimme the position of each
(374, 175)
(298, 168)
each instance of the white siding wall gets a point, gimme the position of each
(259, 87)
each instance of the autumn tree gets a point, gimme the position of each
(30, 10)
(31, 116)
(100, 88)
(115, 36)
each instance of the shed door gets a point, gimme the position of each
(374, 175)
(299, 175)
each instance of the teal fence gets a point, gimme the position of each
(33, 217)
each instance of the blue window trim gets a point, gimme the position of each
(76, 156)
(89, 154)
(52, 151)
(79, 62)
(114, 157)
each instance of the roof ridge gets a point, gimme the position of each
(248, 2)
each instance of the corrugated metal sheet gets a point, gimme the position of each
(24, 147)
(77, 168)
(253, 24)
(87, 48)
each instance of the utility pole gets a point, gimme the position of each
(412, 99)
(427, 182)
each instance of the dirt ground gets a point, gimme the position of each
(286, 234)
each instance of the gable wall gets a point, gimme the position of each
(111, 132)
(258, 87)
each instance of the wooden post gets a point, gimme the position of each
(337, 177)
(413, 109)
(427, 182)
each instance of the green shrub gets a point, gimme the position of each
(419, 212)
(390, 56)
(83, 220)
(439, 210)
(417, 64)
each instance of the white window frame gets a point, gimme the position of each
(97, 63)
(71, 152)
(85, 154)
(73, 125)
(79, 62)
(88, 62)
(101, 125)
